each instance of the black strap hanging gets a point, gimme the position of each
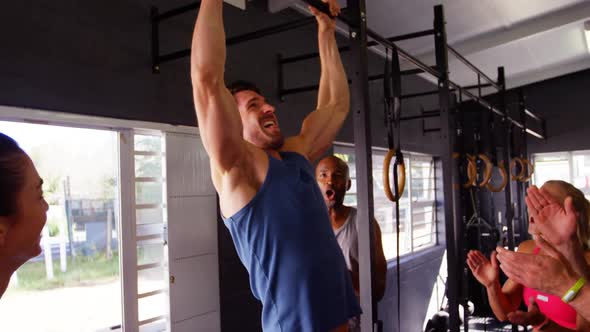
(392, 95)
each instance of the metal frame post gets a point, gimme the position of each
(155, 40)
(507, 154)
(362, 130)
(452, 209)
(507, 126)
(524, 222)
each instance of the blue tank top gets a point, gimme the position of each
(284, 239)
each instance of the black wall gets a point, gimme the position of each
(565, 104)
(93, 58)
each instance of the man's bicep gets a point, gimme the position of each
(320, 128)
(220, 125)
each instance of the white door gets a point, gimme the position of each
(192, 236)
(143, 232)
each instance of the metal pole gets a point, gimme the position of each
(471, 66)
(507, 153)
(524, 222)
(155, 41)
(308, 88)
(280, 77)
(362, 129)
(314, 55)
(434, 92)
(240, 38)
(270, 31)
(450, 169)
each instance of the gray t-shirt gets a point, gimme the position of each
(347, 237)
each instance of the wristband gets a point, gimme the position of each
(539, 327)
(574, 290)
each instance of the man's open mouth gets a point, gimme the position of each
(330, 194)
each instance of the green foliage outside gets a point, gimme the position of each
(81, 271)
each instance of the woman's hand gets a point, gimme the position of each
(484, 270)
(557, 224)
(533, 316)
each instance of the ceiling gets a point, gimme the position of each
(534, 40)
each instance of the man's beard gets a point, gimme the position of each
(276, 143)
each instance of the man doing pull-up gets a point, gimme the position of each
(268, 195)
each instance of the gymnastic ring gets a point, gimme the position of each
(516, 177)
(504, 174)
(487, 174)
(401, 174)
(471, 171)
(530, 169)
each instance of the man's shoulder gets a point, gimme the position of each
(353, 213)
(294, 144)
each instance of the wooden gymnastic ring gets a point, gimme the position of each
(401, 176)
(530, 169)
(487, 174)
(502, 169)
(471, 171)
(516, 177)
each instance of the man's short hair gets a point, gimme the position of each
(241, 85)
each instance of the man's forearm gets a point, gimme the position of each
(581, 303)
(333, 81)
(208, 46)
(574, 254)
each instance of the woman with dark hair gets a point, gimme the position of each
(22, 209)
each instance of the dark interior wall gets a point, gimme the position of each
(564, 103)
(94, 58)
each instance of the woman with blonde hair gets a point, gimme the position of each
(22, 209)
(545, 312)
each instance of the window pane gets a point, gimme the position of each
(155, 326)
(573, 167)
(150, 216)
(152, 306)
(148, 192)
(148, 166)
(551, 167)
(150, 252)
(146, 143)
(150, 280)
(581, 178)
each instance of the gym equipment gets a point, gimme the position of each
(392, 92)
(504, 181)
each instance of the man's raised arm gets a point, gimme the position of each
(321, 126)
(219, 122)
